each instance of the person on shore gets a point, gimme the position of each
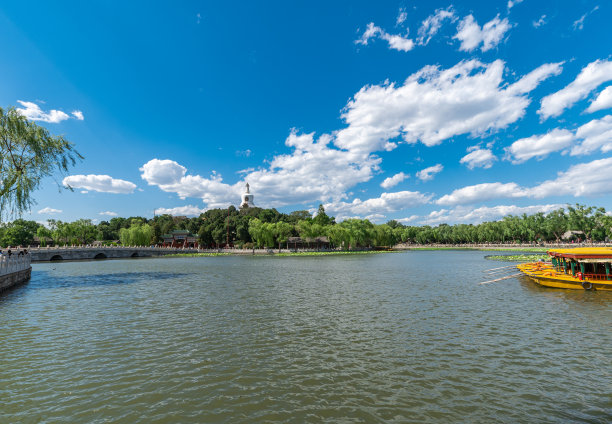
(9, 253)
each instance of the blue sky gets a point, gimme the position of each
(421, 111)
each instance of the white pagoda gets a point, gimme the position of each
(247, 198)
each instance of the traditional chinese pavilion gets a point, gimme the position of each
(180, 238)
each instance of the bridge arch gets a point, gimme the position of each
(56, 258)
(134, 255)
(100, 256)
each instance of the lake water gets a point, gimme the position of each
(399, 337)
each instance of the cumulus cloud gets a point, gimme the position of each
(394, 180)
(34, 113)
(471, 35)
(584, 179)
(188, 210)
(108, 213)
(588, 138)
(387, 202)
(78, 115)
(432, 24)
(478, 158)
(313, 171)
(49, 210)
(512, 3)
(590, 77)
(395, 41)
(596, 134)
(101, 183)
(162, 172)
(539, 146)
(469, 215)
(434, 104)
(603, 100)
(480, 193)
(429, 173)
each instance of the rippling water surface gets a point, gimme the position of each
(403, 337)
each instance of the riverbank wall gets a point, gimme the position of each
(14, 271)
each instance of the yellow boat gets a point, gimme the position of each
(583, 268)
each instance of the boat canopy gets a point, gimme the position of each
(584, 254)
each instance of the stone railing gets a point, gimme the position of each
(14, 263)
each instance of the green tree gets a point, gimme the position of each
(28, 153)
(321, 218)
(282, 232)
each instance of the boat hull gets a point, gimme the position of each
(546, 276)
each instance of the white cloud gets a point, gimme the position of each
(432, 24)
(433, 105)
(584, 179)
(78, 115)
(539, 146)
(313, 171)
(408, 219)
(401, 16)
(101, 183)
(429, 173)
(472, 35)
(162, 172)
(478, 158)
(108, 213)
(387, 202)
(480, 193)
(539, 22)
(395, 41)
(579, 23)
(394, 180)
(49, 210)
(603, 100)
(512, 3)
(34, 113)
(188, 210)
(469, 215)
(590, 77)
(596, 134)
(377, 218)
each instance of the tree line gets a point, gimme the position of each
(257, 227)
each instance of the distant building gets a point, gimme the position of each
(180, 238)
(247, 198)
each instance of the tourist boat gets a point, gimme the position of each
(584, 268)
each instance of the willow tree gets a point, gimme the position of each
(28, 153)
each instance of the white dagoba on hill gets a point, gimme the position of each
(247, 198)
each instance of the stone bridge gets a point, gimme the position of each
(67, 253)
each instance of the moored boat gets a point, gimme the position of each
(583, 268)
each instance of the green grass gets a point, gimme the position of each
(517, 258)
(333, 253)
(494, 249)
(193, 255)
